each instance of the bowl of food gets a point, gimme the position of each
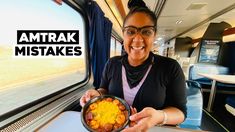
(105, 113)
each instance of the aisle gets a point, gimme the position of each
(219, 119)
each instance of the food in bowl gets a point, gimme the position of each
(106, 113)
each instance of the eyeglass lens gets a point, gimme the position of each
(144, 31)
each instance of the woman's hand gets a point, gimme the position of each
(133, 111)
(88, 95)
(145, 119)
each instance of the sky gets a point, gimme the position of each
(36, 15)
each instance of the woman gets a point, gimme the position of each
(153, 85)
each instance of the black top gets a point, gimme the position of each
(135, 74)
(164, 86)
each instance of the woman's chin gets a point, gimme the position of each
(137, 58)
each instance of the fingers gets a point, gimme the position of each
(144, 120)
(135, 117)
(82, 101)
(133, 111)
(87, 96)
(137, 128)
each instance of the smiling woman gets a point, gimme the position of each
(56, 55)
(153, 85)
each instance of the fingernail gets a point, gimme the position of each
(131, 117)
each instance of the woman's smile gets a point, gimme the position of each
(137, 47)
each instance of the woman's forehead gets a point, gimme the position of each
(139, 19)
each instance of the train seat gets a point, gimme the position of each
(209, 69)
(194, 106)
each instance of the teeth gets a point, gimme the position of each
(137, 47)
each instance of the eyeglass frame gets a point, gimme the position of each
(140, 28)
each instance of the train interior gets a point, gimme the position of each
(34, 89)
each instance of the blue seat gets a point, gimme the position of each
(209, 69)
(194, 106)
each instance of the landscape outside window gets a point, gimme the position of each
(23, 80)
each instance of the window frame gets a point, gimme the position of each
(27, 109)
(116, 43)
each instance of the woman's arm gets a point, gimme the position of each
(174, 116)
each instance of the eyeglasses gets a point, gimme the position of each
(145, 31)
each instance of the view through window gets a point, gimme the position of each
(115, 47)
(23, 80)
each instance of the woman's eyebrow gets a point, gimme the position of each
(140, 27)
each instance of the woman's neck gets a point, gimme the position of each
(135, 63)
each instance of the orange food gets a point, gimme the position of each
(93, 106)
(106, 115)
(120, 119)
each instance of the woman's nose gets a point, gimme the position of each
(138, 38)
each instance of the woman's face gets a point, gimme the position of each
(139, 34)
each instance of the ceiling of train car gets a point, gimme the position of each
(189, 13)
(180, 18)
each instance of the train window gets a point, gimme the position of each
(29, 78)
(119, 48)
(115, 47)
(112, 47)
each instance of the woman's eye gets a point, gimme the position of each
(147, 32)
(130, 32)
